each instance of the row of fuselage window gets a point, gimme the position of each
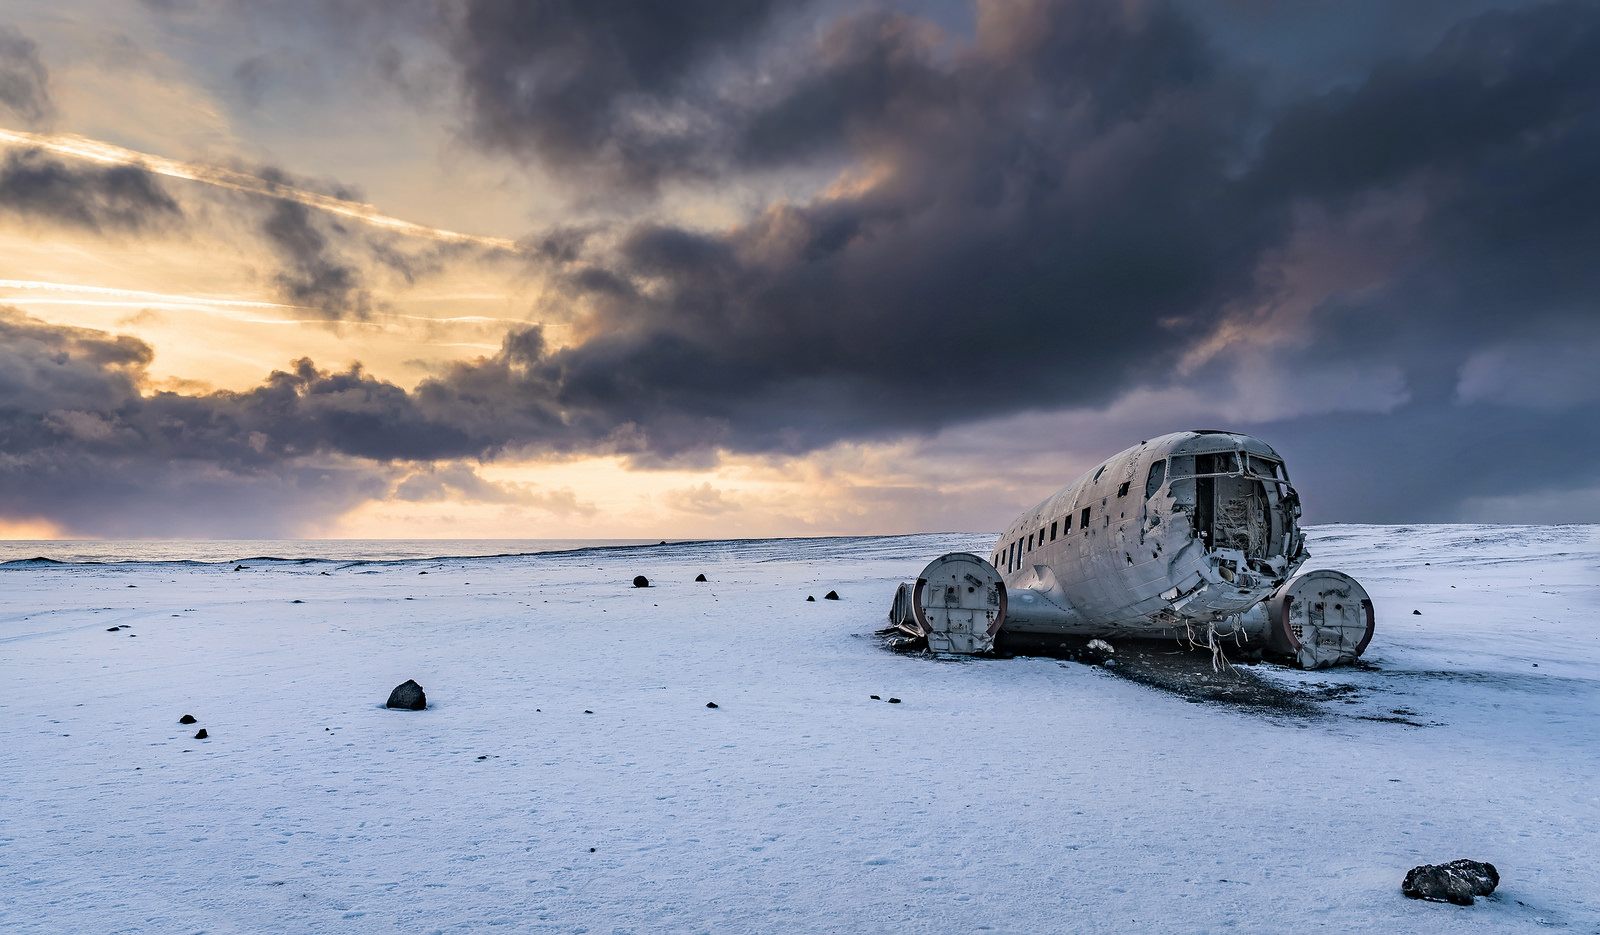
(1012, 556)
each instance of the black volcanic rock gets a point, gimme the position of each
(831, 596)
(699, 577)
(640, 581)
(711, 704)
(201, 734)
(1455, 882)
(407, 696)
(186, 719)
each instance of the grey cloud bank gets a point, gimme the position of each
(1391, 277)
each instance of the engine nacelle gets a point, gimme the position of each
(1317, 618)
(958, 604)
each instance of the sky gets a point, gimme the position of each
(600, 268)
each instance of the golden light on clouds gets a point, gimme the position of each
(102, 153)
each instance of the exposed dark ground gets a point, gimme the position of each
(1187, 673)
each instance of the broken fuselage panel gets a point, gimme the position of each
(1178, 536)
(1193, 526)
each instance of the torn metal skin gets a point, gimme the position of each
(1192, 536)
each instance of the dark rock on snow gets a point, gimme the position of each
(894, 700)
(811, 599)
(1455, 882)
(699, 577)
(831, 596)
(875, 698)
(1416, 613)
(186, 719)
(112, 629)
(641, 581)
(408, 696)
(711, 704)
(201, 734)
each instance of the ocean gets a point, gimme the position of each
(139, 551)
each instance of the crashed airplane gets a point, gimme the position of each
(1192, 537)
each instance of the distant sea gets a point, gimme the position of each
(116, 551)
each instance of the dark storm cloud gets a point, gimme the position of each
(24, 82)
(97, 198)
(1071, 200)
(607, 84)
(1048, 214)
(84, 449)
(1054, 221)
(312, 273)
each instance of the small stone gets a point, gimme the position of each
(876, 698)
(699, 577)
(112, 629)
(407, 696)
(831, 596)
(133, 585)
(811, 599)
(186, 719)
(484, 757)
(1455, 882)
(591, 850)
(201, 734)
(894, 700)
(640, 581)
(711, 704)
(1416, 613)
(587, 711)
(238, 568)
(297, 601)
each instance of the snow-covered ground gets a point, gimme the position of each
(1021, 795)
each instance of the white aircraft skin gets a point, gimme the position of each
(1193, 535)
(1119, 573)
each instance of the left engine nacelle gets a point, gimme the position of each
(958, 604)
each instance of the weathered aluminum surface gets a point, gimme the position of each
(1178, 537)
(1142, 567)
(960, 603)
(1318, 618)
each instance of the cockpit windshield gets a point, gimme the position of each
(1227, 464)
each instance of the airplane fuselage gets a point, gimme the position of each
(1185, 528)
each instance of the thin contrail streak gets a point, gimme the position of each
(133, 295)
(78, 147)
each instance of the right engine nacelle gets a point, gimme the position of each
(1317, 618)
